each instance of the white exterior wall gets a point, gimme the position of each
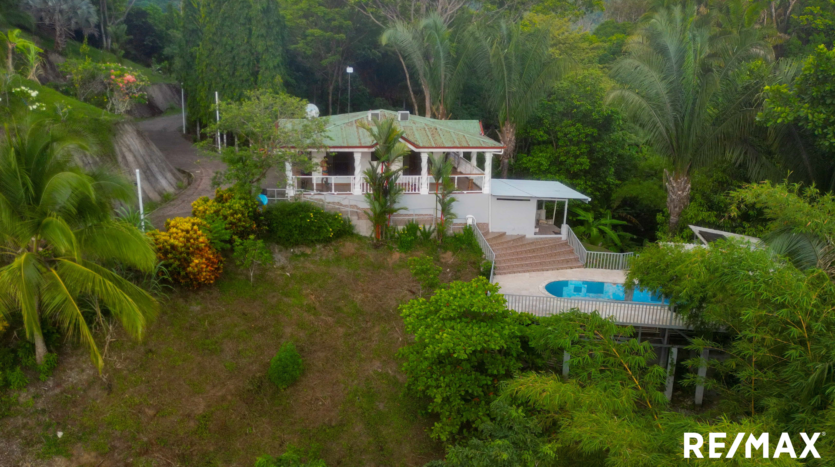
(513, 216)
(466, 204)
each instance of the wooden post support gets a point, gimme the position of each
(565, 358)
(700, 389)
(671, 372)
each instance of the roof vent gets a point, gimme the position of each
(403, 116)
(376, 115)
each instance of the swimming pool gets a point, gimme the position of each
(602, 290)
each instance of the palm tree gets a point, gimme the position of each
(427, 47)
(683, 87)
(382, 176)
(14, 40)
(64, 17)
(598, 231)
(519, 69)
(444, 187)
(57, 234)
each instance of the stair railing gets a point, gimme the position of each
(598, 259)
(485, 247)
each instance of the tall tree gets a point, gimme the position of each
(234, 47)
(520, 71)
(382, 176)
(57, 236)
(683, 87)
(427, 47)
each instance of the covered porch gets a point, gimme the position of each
(350, 151)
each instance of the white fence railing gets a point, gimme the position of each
(626, 313)
(605, 260)
(485, 247)
(324, 183)
(346, 184)
(597, 259)
(274, 194)
(468, 183)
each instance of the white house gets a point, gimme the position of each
(508, 206)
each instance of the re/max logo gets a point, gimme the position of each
(693, 443)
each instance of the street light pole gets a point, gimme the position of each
(350, 72)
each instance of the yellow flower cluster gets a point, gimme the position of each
(235, 210)
(189, 256)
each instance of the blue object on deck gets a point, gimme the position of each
(601, 290)
(263, 199)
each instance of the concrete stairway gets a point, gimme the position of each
(517, 254)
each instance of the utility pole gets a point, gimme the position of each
(139, 192)
(183, 105)
(217, 117)
(350, 72)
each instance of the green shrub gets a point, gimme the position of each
(412, 235)
(463, 241)
(291, 224)
(426, 273)
(49, 364)
(286, 366)
(466, 342)
(238, 211)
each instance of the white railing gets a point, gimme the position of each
(605, 260)
(274, 194)
(575, 243)
(626, 313)
(410, 183)
(324, 183)
(465, 166)
(345, 184)
(467, 183)
(597, 259)
(485, 247)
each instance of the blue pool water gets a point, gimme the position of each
(601, 290)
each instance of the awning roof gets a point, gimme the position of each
(534, 189)
(344, 131)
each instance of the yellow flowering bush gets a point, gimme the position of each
(187, 252)
(239, 212)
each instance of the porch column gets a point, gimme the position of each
(488, 171)
(700, 388)
(356, 184)
(291, 184)
(564, 228)
(474, 158)
(671, 373)
(317, 158)
(424, 173)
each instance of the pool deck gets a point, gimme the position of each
(533, 283)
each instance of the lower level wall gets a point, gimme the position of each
(466, 204)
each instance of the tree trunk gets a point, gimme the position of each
(9, 63)
(40, 347)
(427, 101)
(678, 196)
(409, 84)
(508, 136)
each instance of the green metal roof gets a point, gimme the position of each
(344, 131)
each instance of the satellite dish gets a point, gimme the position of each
(312, 111)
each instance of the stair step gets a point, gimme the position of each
(505, 240)
(526, 248)
(535, 258)
(538, 268)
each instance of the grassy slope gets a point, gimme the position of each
(195, 392)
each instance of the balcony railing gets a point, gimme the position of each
(626, 313)
(411, 184)
(597, 259)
